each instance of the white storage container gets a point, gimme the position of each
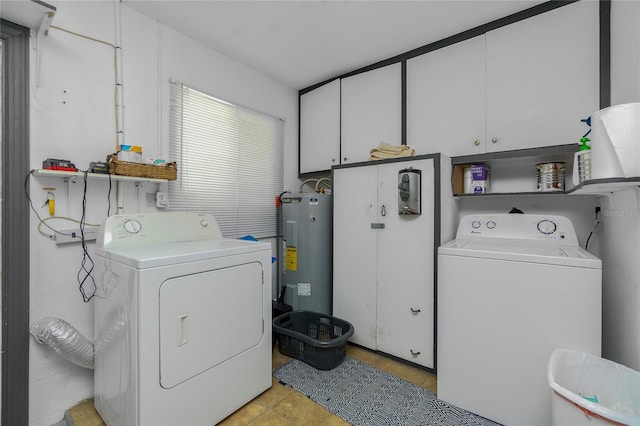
(589, 390)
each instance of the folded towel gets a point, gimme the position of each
(385, 150)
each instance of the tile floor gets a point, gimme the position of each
(281, 405)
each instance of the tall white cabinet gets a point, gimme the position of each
(384, 269)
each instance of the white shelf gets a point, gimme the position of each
(33, 14)
(605, 186)
(592, 187)
(72, 176)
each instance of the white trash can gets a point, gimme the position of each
(589, 390)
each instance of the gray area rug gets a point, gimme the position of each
(364, 395)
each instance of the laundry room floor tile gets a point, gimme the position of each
(281, 405)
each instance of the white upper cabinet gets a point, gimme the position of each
(543, 78)
(371, 112)
(446, 99)
(320, 128)
(524, 85)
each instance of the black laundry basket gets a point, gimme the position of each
(317, 339)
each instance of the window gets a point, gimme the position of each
(229, 162)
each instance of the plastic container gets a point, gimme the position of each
(589, 390)
(467, 180)
(582, 163)
(317, 339)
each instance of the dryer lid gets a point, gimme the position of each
(154, 255)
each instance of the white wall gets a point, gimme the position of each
(73, 117)
(620, 238)
(625, 51)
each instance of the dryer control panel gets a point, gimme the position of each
(525, 227)
(151, 228)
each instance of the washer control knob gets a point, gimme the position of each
(132, 226)
(491, 224)
(475, 224)
(547, 226)
(204, 223)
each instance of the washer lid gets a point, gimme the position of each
(522, 252)
(172, 253)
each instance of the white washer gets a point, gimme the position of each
(182, 320)
(511, 289)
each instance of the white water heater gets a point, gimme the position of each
(307, 247)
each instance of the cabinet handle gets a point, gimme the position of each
(415, 311)
(476, 142)
(416, 353)
(333, 160)
(494, 140)
(383, 211)
(344, 159)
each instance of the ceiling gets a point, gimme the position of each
(304, 42)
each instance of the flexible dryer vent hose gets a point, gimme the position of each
(65, 340)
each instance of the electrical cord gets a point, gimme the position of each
(87, 263)
(42, 221)
(109, 198)
(595, 226)
(70, 219)
(86, 257)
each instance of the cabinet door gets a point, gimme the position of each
(320, 128)
(354, 251)
(371, 112)
(542, 78)
(446, 99)
(405, 269)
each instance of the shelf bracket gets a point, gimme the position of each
(37, 35)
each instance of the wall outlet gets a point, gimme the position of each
(162, 200)
(73, 235)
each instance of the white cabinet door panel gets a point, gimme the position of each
(371, 112)
(542, 78)
(354, 251)
(446, 99)
(405, 269)
(320, 128)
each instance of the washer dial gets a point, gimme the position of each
(547, 226)
(132, 226)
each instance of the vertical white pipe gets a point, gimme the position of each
(119, 80)
(119, 99)
(161, 93)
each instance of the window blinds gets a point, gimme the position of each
(229, 162)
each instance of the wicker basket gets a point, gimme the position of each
(166, 171)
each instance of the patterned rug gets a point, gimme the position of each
(364, 395)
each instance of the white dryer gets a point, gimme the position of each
(511, 289)
(182, 320)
